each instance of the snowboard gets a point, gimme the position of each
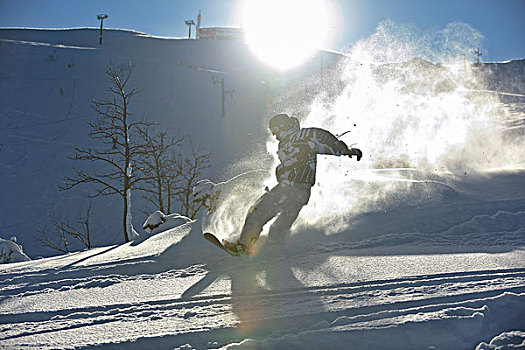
(215, 241)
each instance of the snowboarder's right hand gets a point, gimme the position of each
(354, 152)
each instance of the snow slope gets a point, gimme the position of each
(419, 245)
(402, 286)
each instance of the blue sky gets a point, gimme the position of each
(499, 21)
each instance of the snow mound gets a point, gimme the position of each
(502, 221)
(159, 222)
(507, 340)
(11, 251)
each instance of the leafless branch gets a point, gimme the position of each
(58, 238)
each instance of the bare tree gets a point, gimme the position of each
(188, 168)
(58, 238)
(158, 167)
(122, 147)
(171, 172)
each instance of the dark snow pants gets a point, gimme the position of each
(284, 201)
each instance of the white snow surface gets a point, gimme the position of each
(403, 285)
(421, 245)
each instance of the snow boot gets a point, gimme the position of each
(238, 248)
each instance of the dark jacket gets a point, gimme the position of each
(298, 152)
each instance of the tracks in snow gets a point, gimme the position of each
(220, 315)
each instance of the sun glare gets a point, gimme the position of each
(284, 33)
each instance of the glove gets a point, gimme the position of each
(353, 152)
(356, 152)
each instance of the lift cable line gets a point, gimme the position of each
(30, 126)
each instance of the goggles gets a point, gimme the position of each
(275, 130)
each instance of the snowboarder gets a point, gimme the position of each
(298, 150)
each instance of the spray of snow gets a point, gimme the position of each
(404, 112)
(228, 202)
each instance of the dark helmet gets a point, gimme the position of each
(283, 122)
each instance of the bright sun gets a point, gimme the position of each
(284, 33)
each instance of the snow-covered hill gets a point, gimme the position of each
(419, 245)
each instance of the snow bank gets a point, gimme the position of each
(159, 222)
(506, 340)
(11, 251)
(500, 222)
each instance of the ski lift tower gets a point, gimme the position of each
(189, 23)
(223, 93)
(101, 17)
(478, 54)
